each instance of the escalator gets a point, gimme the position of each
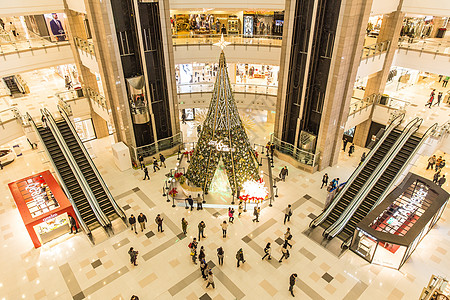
(92, 177)
(361, 178)
(384, 182)
(69, 180)
(12, 85)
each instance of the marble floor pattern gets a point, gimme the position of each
(72, 268)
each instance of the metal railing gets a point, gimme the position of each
(85, 45)
(234, 39)
(302, 156)
(163, 144)
(17, 44)
(8, 114)
(363, 103)
(436, 46)
(394, 103)
(374, 49)
(96, 97)
(190, 88)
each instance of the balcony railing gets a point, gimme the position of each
(375, 49)
(235, 39)
(362, 104)
(96, 97)
(237, 88)
(436, 46)
(164, 144)
(9, 44)
(302, 156)
(85, 45)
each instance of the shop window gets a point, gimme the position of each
(85, 130)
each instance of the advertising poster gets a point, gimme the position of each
(56, 25)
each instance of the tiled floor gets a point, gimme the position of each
(71, 268)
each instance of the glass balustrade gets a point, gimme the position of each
(237, 88)
(10, 44)
(235, 39)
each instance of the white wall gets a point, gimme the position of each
(24, 61)
(10, 8)
(228, 5)
(89, 61)
(371, 65)
(358, 118)
(381, 114)
(427, 7)
(380, 7)
(234, 54)
(76, 5)
(422, 61)
(10, 130)
(243, 101)
(80, 108)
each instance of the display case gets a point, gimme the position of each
(43, 206)
(390, 233)
(233, 25)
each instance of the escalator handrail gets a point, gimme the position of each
(319, 219)
(104, 221)
(116, 207)
(427, 133)
(342, 221)
(61, 180)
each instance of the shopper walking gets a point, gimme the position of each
(184, 225)
(199, 202)
(194, 255)
(133, 256)
(287, 214)
(442, 180)
(438, 163)
(445, 81)
(256, 211)
(283, 173)
(201, 229)
(284, 253)
(324, 180)
(267, 252)
(203, 267)
(272, 149)
(240, 209)
(220, 255)
(141, 161)
(441, 165)
(190, 201)
(287, 237)
(73, 225)
(210, 280)
(162, 159)
(431, 162)
(202, 253)
(142, 219)
(292, 281)
(159, 222)
(132, 221)
(436, 177)
(155, 164)
(224, 226)
(439, 98)
(230, 215)
(240, 257)
(351, 149)
(146, 173)
(345, 141)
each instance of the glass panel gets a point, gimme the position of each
(364, 245)
(85, 130)
(389, 255)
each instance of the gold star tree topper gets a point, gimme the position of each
(222, 43)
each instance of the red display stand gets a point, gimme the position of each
(41, 201)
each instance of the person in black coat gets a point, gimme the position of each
(162, 159)
(146, 173)
(324, 180)
(292, 280)
(142, 219)
(190, 201)
(132, 221)
(73, 224)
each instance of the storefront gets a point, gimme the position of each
(390, 233)
(43, 206)
(85, 129)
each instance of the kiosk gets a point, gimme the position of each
(43, 206)
(390, 233)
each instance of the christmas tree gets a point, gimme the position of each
(222, 138)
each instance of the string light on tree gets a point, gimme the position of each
(254, 191)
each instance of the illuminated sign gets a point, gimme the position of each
(52, 216)
(221, 146)
(35, 191)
